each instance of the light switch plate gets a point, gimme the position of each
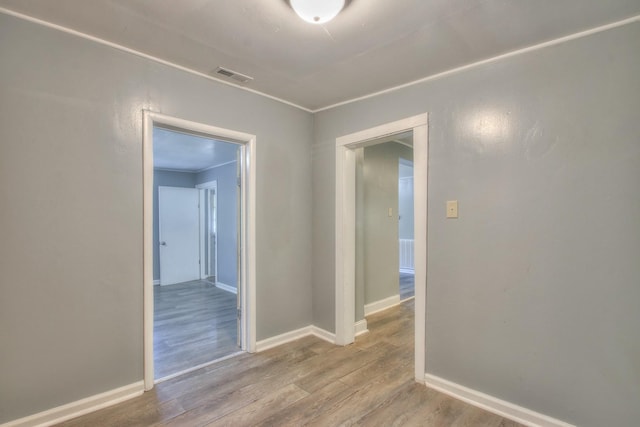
(452, 209)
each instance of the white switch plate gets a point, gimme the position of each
(390, 212)
(452, 209)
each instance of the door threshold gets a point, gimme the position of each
(195, 368)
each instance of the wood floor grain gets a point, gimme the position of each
(194, 323)
(407, 286)
(305, 382)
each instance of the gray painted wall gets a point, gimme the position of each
(227, 220)
(532, 294)
(168, 179)
(71, 180)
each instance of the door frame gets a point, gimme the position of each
(345, 229)
(205, 186)
(247, 244)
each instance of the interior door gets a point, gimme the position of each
(178, 215)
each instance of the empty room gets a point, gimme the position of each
(436, 213)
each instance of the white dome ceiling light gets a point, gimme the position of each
(317, 11)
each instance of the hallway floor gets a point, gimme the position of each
(305, 382)
(194, 323)
(407, 286)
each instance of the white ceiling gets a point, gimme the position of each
(371, 46)
(189, 153)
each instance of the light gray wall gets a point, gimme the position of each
(168, 179)
(227, 208)
(532, 294)
(71, 180)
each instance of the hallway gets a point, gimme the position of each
(305, 382)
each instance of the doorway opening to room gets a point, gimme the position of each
(405, 228)
(349, 154)
(384, 274)
(199, 245)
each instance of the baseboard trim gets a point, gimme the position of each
(407, 270)
(226, 287)
(323, 334)
(493, 404)
(79, 407)
(277, 340)
(156, 282)
(383, 304)
(361, 327)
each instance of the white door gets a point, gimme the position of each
(179, 216)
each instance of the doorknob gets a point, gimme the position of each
(163, 243)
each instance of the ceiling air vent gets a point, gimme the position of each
(233, 75)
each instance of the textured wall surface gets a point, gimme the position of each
(532, 294)
(71, 180)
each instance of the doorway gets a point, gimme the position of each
(195, 313)
(243, 182)
(384, 226)
(345, 237)
(405, 228)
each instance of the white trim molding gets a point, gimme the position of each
(517, 52)
(227, 288)
(381, 305)
(277, 340)
(323, 334)
(361, 327)
(248, 190)
(80, 407)
(345, 220)
(144, 55)
(156, 282)
(492, 404)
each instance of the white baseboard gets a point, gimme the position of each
(407, 270)
(156, 282)
(226, 287)
(79, 407)
(383, 304)
(493, 404)
(361, 327)
(323, 334)
(268, 343)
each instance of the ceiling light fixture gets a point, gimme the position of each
(317, 11)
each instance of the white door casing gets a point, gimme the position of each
(247, 243)
(179, 248)
(345, 232)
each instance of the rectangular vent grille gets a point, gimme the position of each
(233, 75)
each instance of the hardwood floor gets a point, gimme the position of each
(407, 286)
(305, 382)
(194, 323)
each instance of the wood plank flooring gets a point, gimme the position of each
(305, 382)
(194, 323)
(407, 286)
